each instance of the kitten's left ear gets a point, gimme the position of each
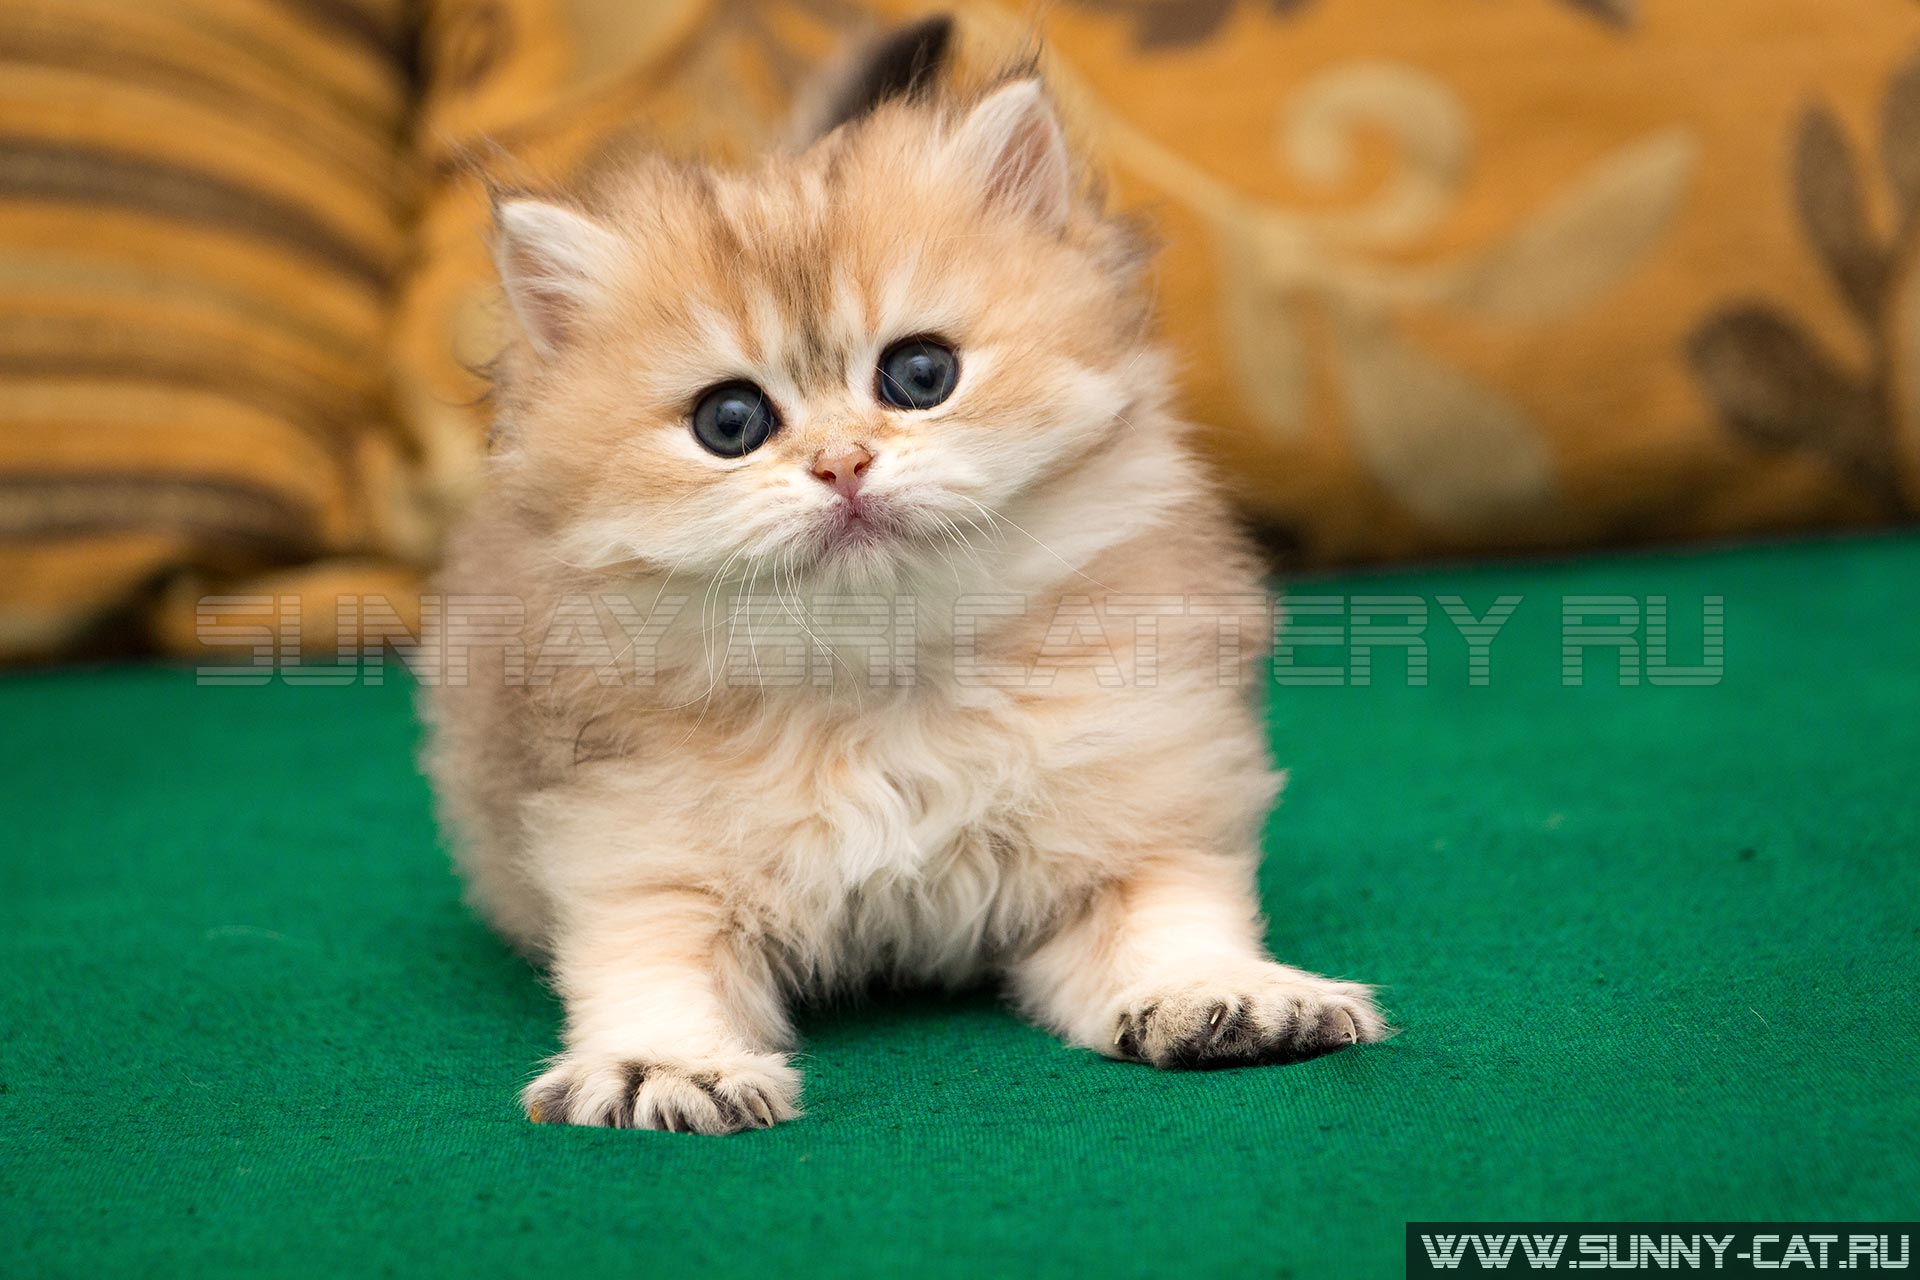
(1011, 142)
(556, 265)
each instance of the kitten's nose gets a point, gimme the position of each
(843, 467)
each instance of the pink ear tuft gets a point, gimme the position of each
(1012, 142)
(555, 264)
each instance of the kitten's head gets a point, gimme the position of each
(843, 365)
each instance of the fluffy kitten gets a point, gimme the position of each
(852, 609)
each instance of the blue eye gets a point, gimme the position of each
(733, 419)
(918, 373)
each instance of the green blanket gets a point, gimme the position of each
(1654, 948)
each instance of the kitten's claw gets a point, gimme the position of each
(1262, 1013)
(743, 1091)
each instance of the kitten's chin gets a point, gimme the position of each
(859, 538)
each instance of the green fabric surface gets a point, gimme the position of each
(1654, 950)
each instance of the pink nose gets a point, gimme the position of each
(843, 467)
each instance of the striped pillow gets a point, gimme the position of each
(202, 207)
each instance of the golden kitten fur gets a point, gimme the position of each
(927, 694)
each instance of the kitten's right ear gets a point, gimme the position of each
(555, 264)
(901, 63)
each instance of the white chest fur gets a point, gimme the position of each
(893, 838)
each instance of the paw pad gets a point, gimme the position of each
(1274, 1015)
(634, 1093)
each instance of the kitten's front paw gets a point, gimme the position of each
(1268, 1014)
(726, 1095)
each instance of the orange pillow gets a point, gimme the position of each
(1442, 278)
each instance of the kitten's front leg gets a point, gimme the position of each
(671, 1022)
(1165, 966)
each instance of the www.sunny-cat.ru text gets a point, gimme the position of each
(876, 641)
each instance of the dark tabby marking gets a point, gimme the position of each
(636, 1073)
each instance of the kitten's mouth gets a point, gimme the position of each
(855, 523)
